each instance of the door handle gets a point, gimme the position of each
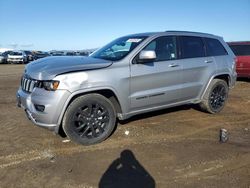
(173, 65)
(209, 61)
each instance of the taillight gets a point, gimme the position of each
(235, 62)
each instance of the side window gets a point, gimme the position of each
(164, 47)
(192, 47)
(214, 47)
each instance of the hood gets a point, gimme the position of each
(49, 67)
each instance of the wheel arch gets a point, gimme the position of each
(106, 92)
(223, 76)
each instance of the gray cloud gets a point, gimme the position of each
(13, 45)
(26, 45)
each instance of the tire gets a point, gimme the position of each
(215, 97)
(89, 119)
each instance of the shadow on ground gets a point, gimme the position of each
(126, 171)
(159, 112)
(243, 79)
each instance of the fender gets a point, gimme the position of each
(83, 91)
(216, 75)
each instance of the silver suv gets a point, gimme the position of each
(84, 96)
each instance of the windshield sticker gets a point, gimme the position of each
(134, 40)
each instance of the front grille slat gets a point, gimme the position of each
(22, 83)
(27, 84)
(31, 86)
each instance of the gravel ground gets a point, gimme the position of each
(177, 147)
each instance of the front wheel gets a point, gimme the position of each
(89, 119)
(215, 97)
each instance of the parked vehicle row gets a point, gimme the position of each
(240, 49)
(70, 53)
(17, 57)
(26, 56)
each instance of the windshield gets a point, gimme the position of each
(28, 52)
(118, 49)
(15, 53)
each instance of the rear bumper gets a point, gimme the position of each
(233, 80)
(243, 72)
(52, 101)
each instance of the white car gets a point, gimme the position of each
(1, 58)
(17, 57)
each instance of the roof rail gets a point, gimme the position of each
(189, 32)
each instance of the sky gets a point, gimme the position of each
(85, 24)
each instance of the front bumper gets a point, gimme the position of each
(53, 101)
(15, 60)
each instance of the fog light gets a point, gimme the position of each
(40, 108)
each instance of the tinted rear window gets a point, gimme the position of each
(214, 47)
(192, 47)
(241, 50)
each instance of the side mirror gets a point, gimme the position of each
(146, 56)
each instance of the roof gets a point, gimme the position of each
(239, 42)
(189, 32)
(147, 34)
(192, 33)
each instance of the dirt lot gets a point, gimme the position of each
(177, 147)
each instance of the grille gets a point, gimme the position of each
(28, 84)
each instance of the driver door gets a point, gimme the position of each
(159, 82)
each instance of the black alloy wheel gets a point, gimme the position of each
(215, 96)
(89, 119)
(218, 97)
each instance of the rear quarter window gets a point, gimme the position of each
(192, 47)
(241, 50)
(214, 47)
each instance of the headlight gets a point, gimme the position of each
(63, 82)
(50, 85)
(71, 80)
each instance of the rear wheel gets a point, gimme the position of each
(215, 97)
(89, 119)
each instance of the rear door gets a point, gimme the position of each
(158, 82)
(197, 68)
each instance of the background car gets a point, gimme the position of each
(57, 53)
(2, 59)
(30, 55)
(4, 56)
(242, 51)
(17, 57)
(40, 54)
(70, 53)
